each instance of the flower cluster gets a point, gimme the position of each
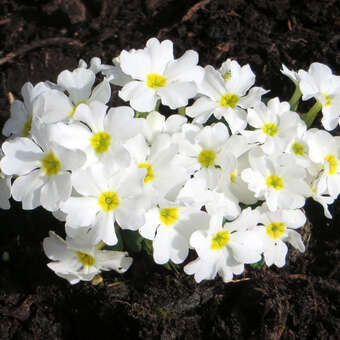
(226, 175)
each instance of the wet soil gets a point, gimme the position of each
(39, 39)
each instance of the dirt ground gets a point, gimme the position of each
(39, 39)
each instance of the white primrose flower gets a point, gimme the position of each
(42, 168)
(275, 125)
(76, 259)
(20, 122)
(226, 97)
(199, 149)
(169, 225)
(320, 83)
(223, 249)
(278, 180)
(157, 75)
(163, 175)
(105, 198)
(324, 149)
(54, 105)
(99, 134)
(278, 228)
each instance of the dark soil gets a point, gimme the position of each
(39, 39)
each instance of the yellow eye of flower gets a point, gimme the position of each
(86, 259)
(328, 99)
(50, 164)
(275, 229)
(333, 164)
(108, 201)
(274, 182)
(220, 240)
(155, 81)
(27, 127)
(233, 176)
(100, 141)
(207, 158)
(229, 100)
(298, 149)
(150, 174)
(270, 129)
(169, 216)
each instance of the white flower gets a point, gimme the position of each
(324, 149)
(199, 148)
(20, 122)
(279, 228)
(278, 180)
(163, 174)
(157, 75)
(76, 259)
(275, 125)
(170, 226)
(104, 199)
(43, 169)
(223, 249)
(99, 134)
(54, 105)
(320, 83)
(226, 98)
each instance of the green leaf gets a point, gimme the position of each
(258, 265)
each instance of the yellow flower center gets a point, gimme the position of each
(220, 240)
(298, 149)
(71, 114)
(27, 127)
(50, 164)
(207, 158)
(169, 216)
(275, 182)
(108, 201)
(275, 229)
(155, 81)
(233, 176)
(150, 175)
(333, 164)
(270, 129)
(86, 259)
(100, 141)
(327, 98)
(229, 100)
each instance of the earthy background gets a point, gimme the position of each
(39, 39)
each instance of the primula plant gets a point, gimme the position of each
(225, 176)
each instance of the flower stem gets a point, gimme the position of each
(294, 101)
(157, 105)
(310, 116)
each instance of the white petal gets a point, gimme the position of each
(177, 94)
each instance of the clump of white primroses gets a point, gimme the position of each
(225, 176)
